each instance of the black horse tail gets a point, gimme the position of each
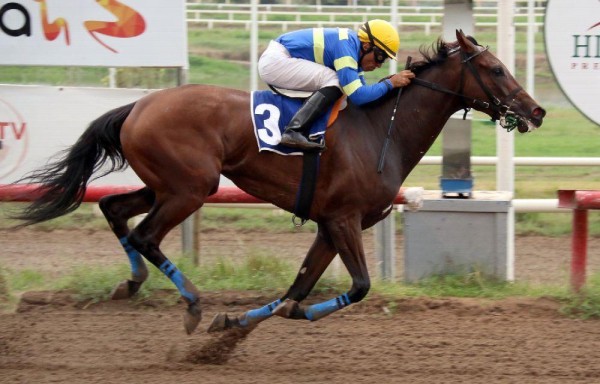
(61, 185)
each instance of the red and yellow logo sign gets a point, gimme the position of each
(129, 22)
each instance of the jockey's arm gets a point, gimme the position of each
(352, 82)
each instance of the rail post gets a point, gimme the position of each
(580, 201)
(579, 248)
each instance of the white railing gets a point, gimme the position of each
(533, 161)
(528, 205)
(285, 16)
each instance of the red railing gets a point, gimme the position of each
(580, 202)
(29, 192)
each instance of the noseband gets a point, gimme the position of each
(508, 119)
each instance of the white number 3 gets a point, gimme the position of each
(270, 134)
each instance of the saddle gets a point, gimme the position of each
(273, 110)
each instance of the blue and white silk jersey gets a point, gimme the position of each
(338, 49)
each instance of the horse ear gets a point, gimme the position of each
(466, 45)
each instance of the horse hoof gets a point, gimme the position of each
(192, 317)
(286, 309)
(125, 289)
(219, 323)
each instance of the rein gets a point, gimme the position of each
(386, 143)
(508, 119)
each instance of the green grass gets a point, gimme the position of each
(565, 132)
(223, 45)
(587, 303)
(267, 274)
(256, 271)
(251, 220)
(204, 70)
(86, 217)
(472, 284)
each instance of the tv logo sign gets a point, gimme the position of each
(14, 139)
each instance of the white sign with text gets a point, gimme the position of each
(572, 33)
(37, 122)
(151, 33)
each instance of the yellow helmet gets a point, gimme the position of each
(381, 34)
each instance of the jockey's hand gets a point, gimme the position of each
(402, 78)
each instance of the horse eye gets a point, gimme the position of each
(498, 71)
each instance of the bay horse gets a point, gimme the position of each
(179, 141)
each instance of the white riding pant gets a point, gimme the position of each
(278, 68)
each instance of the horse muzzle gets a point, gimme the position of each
(533, 121)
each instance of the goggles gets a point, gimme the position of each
(379, 55)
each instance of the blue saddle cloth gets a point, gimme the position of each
(271, 113)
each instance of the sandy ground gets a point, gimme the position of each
(51, 338)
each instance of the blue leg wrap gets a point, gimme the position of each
(255, 316)
(135, 259)
(178, 279)
(319, 310)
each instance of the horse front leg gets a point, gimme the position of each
(117, 210)
(346, 236)
(317, 259)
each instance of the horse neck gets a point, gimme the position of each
(422, 114)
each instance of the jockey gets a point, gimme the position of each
(329, 62)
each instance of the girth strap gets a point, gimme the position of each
(306, 191)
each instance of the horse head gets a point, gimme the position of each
(489, 87)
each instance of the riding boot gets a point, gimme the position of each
(313, 108)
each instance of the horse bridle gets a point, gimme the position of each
(508, 119)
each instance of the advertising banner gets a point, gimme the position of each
(37, 122)
(151, 33)
(572, 33)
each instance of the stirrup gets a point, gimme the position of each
(294, 139)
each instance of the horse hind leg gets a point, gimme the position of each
(168, 211)
(117, 210)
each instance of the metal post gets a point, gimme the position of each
(506, 52)
(112, 77)
(457, 180)
(385, 248)
(394, 20)
(505, 169)
(531, 28)
(190, 226)
(196, 237)
(579, 249)
(254, 45)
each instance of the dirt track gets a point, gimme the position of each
(53, 339)
(424, 341)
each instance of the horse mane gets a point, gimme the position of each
(433, 55)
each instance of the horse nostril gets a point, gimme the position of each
(538, 113)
